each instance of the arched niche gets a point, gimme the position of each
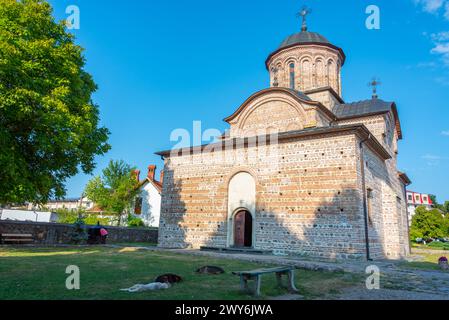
(241, 198)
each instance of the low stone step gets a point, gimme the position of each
(236, 250)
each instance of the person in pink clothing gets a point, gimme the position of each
(104, 234)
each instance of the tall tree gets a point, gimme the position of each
(429, 224)
(114, 191)
(49, 126)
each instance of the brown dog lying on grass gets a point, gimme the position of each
(210, 270)
(168, 278)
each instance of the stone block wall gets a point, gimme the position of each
(55, 233)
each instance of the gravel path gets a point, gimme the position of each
(386, 294)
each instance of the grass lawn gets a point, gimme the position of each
(432, 246)
(429, 261)
(39, 273)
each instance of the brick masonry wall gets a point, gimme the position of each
(274, 113)
(315, 67)
(389, 232)
(307, 200)
(54, 233)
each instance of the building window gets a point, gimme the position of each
(292, 75)
(138, 206)
(410, 197)
(370, 196)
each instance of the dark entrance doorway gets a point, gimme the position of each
(243, 229)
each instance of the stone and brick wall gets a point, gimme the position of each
(55, 233)
(389, 231)
(276, 112)
(315, 67)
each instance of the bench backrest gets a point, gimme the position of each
(264, 271)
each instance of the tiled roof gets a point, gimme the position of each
(156, 184)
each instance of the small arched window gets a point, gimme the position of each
(292, 75)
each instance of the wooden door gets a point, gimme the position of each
(239, 229)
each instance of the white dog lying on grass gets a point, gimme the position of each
(147, 287)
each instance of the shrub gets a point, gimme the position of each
(71, 217)
(135, 222)
(93, 219)
(78, 235)
(68, 216)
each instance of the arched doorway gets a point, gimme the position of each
(243, 229)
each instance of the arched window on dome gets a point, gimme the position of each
(292, 75)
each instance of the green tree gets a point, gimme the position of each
(433, 198)
(429, 224)
(446, 207)
(115, 191)
(49, 126)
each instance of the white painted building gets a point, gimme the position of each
(147, 205)
(28, 215)
(415, 200)
(71, 204)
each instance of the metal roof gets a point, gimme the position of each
(303, 37)
(360, 108)
(300, 94)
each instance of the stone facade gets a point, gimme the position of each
(311, 182)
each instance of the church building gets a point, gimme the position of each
(299, 172)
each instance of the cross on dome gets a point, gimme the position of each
(374, 83)
(304, 13)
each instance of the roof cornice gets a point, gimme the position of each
(358, 129)
(319, 105)
(326, 88)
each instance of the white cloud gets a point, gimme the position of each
(434, 6)
(430, 6)
(433, 160)
(445, 133)
(441, 48)
(430, 64)
(431, 157)
(440, 36)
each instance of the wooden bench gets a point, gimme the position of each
(16, 238)
(256, 276)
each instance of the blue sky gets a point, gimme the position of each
(160, 65)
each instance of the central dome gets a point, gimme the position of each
(303, 37)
